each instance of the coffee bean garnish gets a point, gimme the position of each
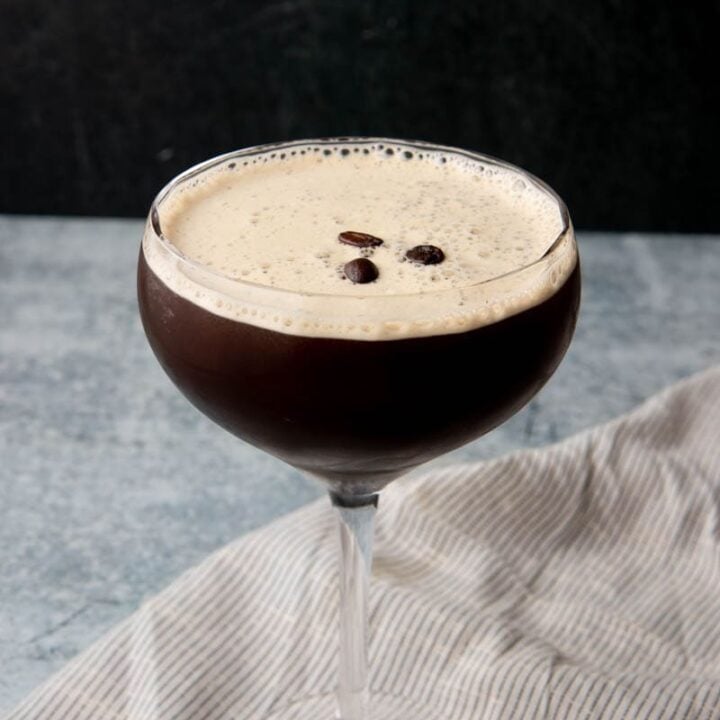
(425, 254)
(361, 271)
(359, 239)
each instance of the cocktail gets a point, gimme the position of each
(357, 307)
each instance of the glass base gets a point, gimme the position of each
(382, 707)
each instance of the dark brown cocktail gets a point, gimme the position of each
(357, 307)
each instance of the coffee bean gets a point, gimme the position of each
(425, 254)
(361, 271)
(359, 239)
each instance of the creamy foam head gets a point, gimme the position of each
(254, 237)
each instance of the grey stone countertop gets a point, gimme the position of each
(111, 484)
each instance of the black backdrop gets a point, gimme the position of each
(615, 103)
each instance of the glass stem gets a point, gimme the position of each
(356, 522)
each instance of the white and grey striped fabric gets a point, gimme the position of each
(576, 581)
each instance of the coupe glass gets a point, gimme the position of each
(357, 413)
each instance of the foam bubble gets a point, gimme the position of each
(274, 223)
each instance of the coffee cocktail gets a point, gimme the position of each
(357, 307)
(248, 304)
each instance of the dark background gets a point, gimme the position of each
(615, 104)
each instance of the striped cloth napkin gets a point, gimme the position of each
(580, 580)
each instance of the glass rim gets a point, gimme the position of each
(154, 223)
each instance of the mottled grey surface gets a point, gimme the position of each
(111, 484)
